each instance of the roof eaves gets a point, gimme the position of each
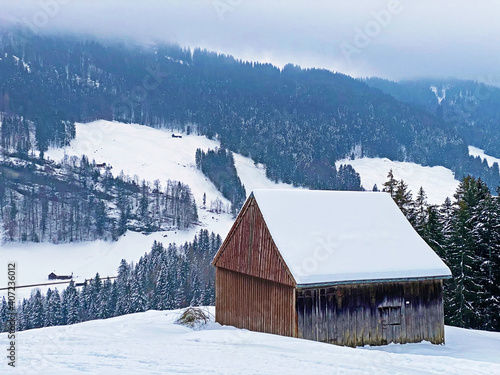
(370, 281)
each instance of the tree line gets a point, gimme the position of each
(165, 278)
(77, 200)
(465, 233)
(218, 166)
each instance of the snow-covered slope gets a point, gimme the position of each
(153, 154)
(474, 151)
(149, 153)
(438, 182)
(149, 343)
(253, 176)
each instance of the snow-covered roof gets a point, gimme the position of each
(334, 236)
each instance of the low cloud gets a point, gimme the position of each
(391, 39)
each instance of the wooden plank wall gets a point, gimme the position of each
(374, 314)
(256, 304)
(250, 249)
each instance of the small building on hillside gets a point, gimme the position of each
(340, 267)
(53, 276)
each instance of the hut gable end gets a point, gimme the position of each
(250, 249)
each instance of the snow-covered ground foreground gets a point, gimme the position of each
(438, 182)
(474, 151)
(150, 343)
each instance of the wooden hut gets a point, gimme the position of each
(53, 276)
(340, 267)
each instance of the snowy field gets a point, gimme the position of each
(149, 343)
(438, 182)
(84, 259)
(150, 154)
(474, 151)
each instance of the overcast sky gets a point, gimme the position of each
(391, 39)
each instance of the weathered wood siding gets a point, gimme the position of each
(372, 313)
(256, 304)
(250, 249)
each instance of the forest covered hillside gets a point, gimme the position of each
(471, 107)
(297, 122)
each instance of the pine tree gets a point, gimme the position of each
(54, 314)
(390, 185)
(105, 307)
(37, 314)
(138, 301)
(421, 212)
(485, 235)
(464, 256)
(123, 289)
(433, 231)
(100, 217)
(403, 199)
(3, 315)
(22, 316)
(94, 301)
(163, 293)
(71, 304)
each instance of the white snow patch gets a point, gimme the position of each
(150, 343)
(439, 97)
(438, 182)
(253, 176)
(474, 151)
(319, 233)
(27, 67)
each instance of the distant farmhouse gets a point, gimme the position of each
(53, 276)
(340, 267)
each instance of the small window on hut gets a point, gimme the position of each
(390, 315)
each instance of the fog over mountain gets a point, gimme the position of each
(393, 39)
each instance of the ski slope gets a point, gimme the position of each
(136, 150)
(150, 343)
(438, 182)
